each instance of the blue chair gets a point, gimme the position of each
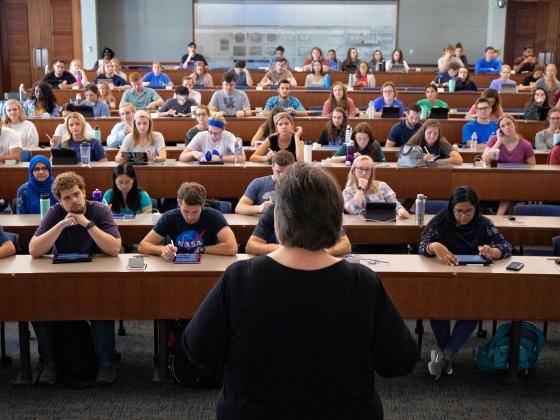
(314, 108)
(25, 155)
(435, 206)
(545, 210)
(225, 206)
(556, 246)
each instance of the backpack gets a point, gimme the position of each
(410, 157)
(74, 352)
(494, 355)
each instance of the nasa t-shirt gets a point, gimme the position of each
(188, 237)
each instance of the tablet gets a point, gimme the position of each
(472, 259)
(71, 258)
(187, 259)
(123, 216)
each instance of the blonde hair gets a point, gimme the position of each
(135, 134)
(109, 96)
(5, 118)
(352, 181)
(82, 120)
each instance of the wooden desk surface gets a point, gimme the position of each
(538, 183)
(174, 129)
(525, 230)
(310, 98)
(422, 288)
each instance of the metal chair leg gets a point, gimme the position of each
(545, 329)
(481, 333)
(6, 360)
(122, 329)
(419, 330)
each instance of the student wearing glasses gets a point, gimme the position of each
(483, 126)
(544, 140)
(459, 229)
(202, 113)
(125, 197)
(40, 182)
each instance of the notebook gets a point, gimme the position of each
(381, 212)
(391, 112)
(64, 157)
(439, 113)
(136, 158)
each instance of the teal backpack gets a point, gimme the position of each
(494, 355)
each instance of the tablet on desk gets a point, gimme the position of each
(187, 259)
(71, 258)
(472, 259)
(123, 216)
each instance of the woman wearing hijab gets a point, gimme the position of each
(40, 181)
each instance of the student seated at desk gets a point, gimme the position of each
(156, 78)
(464, 81)
(215, 143)
(317, 76)
(61, 131)
(105, 94)
(431, 100)
(143, 139)
(202, 113)
(362, 187)
(7, 247)
(260, 192)
(100, 108)
(193, 228)
(42, 101)
(267, 127)
(263, 240)
(10, 144)
(335, 130)
(285, 138)
(123, 128)
(14, 118)
(76, 126)
(388, 98)
(537, 108)
(364, 144)
(504, 79)
(363, 76)
(76, 225)
(301, 333)
(431, 141)
(290, 103)
(125, 197)
(339, 98)
(180, 105)
(108, 73)
(402, 131)
(544, 139)
(39, 183)
(458, 229)
(201, 76)
(494, 99)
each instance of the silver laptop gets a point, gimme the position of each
(509, 88)
(381, 212)
(398, 68)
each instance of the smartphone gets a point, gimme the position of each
(515, 266)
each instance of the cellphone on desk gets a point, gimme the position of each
(515, 266)
(187, 259)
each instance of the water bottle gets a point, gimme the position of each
(31, 109)
(307, 151)
(238, 149)
(474, 142)
(78, 98)
(370, 112)
(97, 195)
(44, 204)
(327, 80)
(97, 133)
(351, 80)
(79, 79)
(420, 209)
(349, 145)
(85, 152)
(556, 138)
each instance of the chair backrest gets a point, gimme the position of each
(556, 245)
(25, 155)
(537, 210)
(435, 206)
(14, 237)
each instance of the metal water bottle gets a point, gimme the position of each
(420, 209)
(44, 204)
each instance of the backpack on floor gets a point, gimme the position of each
(74, 353)
(494, 355)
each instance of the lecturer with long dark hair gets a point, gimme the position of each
(301, 333)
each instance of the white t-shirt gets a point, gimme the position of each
(159, 143)
(202, 143)
(63, 132)
(28, 133)
(196, 96)
(9, 139)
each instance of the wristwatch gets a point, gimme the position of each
(361, 189)
(201, 249)
(90, 225)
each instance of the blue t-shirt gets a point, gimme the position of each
(3, 236)
(483, 131)
(489, 67)
(189, 237)
(97, 152)
(400, 133)
(156, 81)
(100, 109)
(292, 102)
(259, 187)
(379, 103)
(145, 201)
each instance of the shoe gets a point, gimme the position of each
(48, 376)
(448, 366)
(437, 364)
(107, 374)
(3, 204)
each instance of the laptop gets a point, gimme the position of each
(398, 68)
(391, 112)
(439, 113)
(381, 212)
(509, 88)
(85, 110)
(136, 158)
(64, 157)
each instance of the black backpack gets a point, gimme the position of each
(74, 352)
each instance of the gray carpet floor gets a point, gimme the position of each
(466, 394)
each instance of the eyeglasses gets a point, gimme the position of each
(362, 169)
(126, 182)
(466, 212)
(202, 114)
(40, 169)
(483, 108)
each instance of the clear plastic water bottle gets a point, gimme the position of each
(420, 209)
(474, 141)
(97, 195)
(238, 149)
(85, 153)
(349, 145)
(327, 80)
(78, 98)
(370, 112)
(44, 204)
(31, 109)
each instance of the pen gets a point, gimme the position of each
(174, 253)
(426, 149)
